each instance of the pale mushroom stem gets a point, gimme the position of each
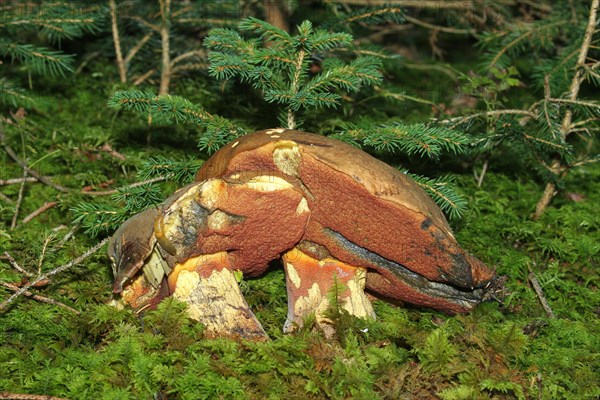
(211, 291)
(310, 283)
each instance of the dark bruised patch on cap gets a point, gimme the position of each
(463, 297)
(461, 271)
(426, 224)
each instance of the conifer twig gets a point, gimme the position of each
(53, 272)
(462, 119)
(540, 294)
(11, 153)
(24, 396)
(13, 223)
(48, 205)
(13, 181)
(37, 297)
(438, 27)
(139, 80)
(133, 185)
(13, 263)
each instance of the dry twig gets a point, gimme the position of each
(6, 255)
(540, 294)
(37, 297)
(11, 153)
(117, 41)
(13, 181)
(13, 223)
(133, 185)
(42, 209)
(53, 272)
(24, 396)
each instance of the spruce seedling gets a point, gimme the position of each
(281, 69)
(52, 21)
(556, 132)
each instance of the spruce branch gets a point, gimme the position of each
(54, 20)
(179, 171)
(414, 139)
(176, 109)
(165, 19)
(443, 193)
(438, 28)
(456, 121)
(376, 15)
(516, 37)
(127, 200)
(135, 49)
(39, 60)
(557, 166)
(96, 217)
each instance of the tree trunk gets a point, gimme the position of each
(117, 41)
(165, 72)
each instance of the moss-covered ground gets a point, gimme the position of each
(502, 350)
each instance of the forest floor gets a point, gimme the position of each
(501, 350)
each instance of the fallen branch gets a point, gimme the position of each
(5, 198)
(6, 255)
(13, 223)
(11, 153)
(37, 297)
(462, 119)
(540, 294)
(133, 185)
(55, 271)
(107, 148)
(39, 211)
(24, 396)
(4, 182)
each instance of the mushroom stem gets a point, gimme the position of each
(313, 284)
(210, 289)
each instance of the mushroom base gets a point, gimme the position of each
(312, 284)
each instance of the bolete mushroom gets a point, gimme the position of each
(336, 215)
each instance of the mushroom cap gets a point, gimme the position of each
(131, 245)
(377, 177)
(365, 213)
